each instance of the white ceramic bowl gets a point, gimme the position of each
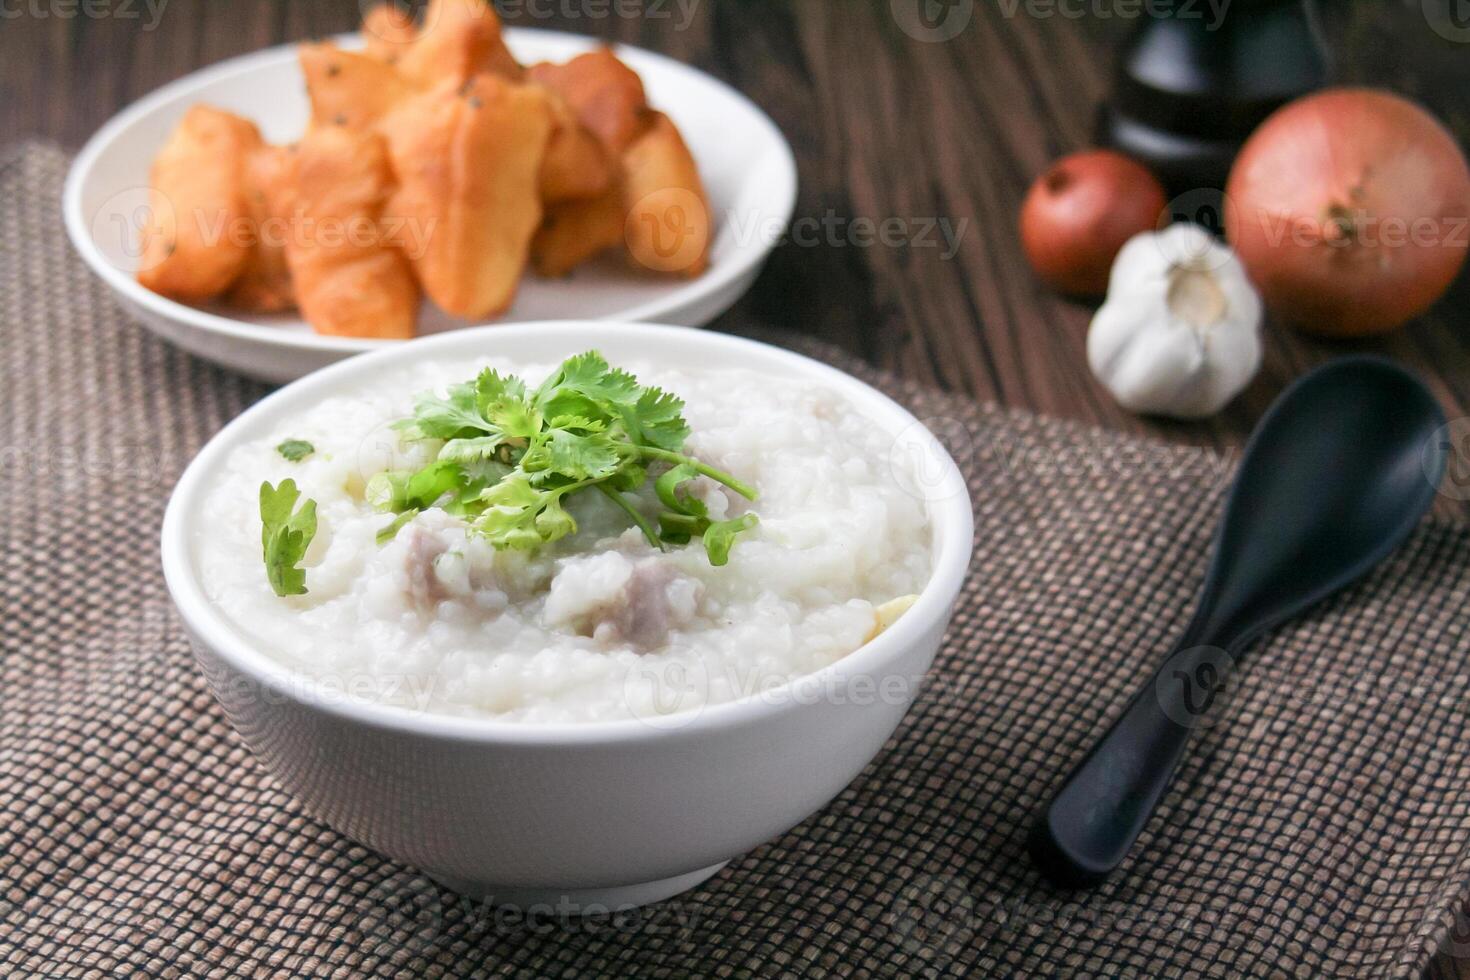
(603, 814)
(747, 166)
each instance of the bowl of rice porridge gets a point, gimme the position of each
(568, 614)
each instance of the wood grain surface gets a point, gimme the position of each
(936, 134)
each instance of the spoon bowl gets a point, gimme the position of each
(1335, 477)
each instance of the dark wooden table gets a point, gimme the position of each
(884, 126)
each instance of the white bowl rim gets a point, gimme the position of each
(951, 516)
(719, 276)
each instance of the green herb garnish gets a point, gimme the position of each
(295, 450)
(687, 517)
(284, 535)
(512, 455)
(391, 529)
(719, 537)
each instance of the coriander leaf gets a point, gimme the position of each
(578, 423)
(590, 375)
(502, 402)
(657, 420)
(509, 517)
(720, 537)
(564, 403)
(471, 450)
(492, 388)
(457, 415)
(482, 473)
(573, 456)
(276, 504)
(285, 533)
(390, 530)
(295, 450)
(554, 523)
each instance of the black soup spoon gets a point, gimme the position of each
(1334, 478)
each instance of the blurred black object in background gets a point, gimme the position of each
(1192, 84)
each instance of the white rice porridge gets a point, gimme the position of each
(599, 625)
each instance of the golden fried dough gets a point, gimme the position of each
(576, 165)
(460, 39)
(350, 279)
(192, 248)
(575, 231)
(387, 31)
(264, 285)
(434, 163)
(668, 217)
(606, 95)
(468, 159)
(347, 88)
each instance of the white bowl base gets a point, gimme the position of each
(580, 901)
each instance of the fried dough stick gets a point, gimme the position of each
(459, 40)
(668, 216)
(658, 210)
(192, 246)
(605, 94)
(463, 38)
(576, 164)
(468, 159)
(350, 89)
(576, 231)
(351, 280)
(264, 285)
(387, 31)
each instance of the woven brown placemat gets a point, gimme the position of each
(1322, 827)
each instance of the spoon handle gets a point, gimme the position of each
(1090, 825)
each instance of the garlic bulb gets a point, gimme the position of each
(1179, 334)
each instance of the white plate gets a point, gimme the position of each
(747, 166)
